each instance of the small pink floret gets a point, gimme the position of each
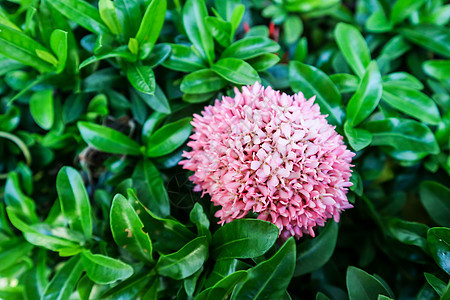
(272, 154)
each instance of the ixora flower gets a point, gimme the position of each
(272, 154)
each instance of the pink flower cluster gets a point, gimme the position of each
(272, 154)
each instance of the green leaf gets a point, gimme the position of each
(432, 37)
(15, 198)
(81, 12)
(269, 279)
(47, 56)
(223, 268)
(182, 58)
(345, 83)
(367, 96)
(103, 269)
(63, 283)
(236, 71)
(293, 28)
(353, 47)
(12, 251)
(169, 137)
(159, 53)
(313, 82)
(439, 69)
(150, 186)
(141, 78)
(108, 15)
(152, 22)
(129, 15)
(194, 13)
(402, 79)
(314, 253)
(438, 239)
(403, 135)
(130, 288)
(224, 287)
(126, 228)
(157, 101)
(412, 102)
(59, 44)
(378, 22)
(362, 286)
(200, 219)
(244, 238)
(264, 61)
(220, 30)
(410, 233)
(107, 140)
(74, 201)
(250, 47)
(41, 108)
(184, 262)
(20, 47)
(122, 52)
(438, 285)
(202, 81)
(402, 9)
(435, 197)
(133, 46)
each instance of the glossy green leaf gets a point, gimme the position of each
(126, 228)
(344, 82)
(202, 81)
(41, 108)
(403, 135)
(402, 9)
(159, 53)
(133, 46)
(402, 79)
(313, 82)
(129, 14)
(263, 61)
(194, 13)
(107, 139)
(152, 22)
(12, 251)
(150, 186)
(108, 15)
(157, 101)
(353, 47)
(103, 269)
(182, 58)
(236, 71)
(223, 268)
(131, 287)
(378, 22)
(169, 137)
(410, 233)
(47, 56)
(438, 239)
(367, 96)
(314, 253)
(74, 200)
(269, 279)
(142, 78)
(362, 286)
(432, 37)
(244, 238)
(220, 30)
(200, 219)
(293, 27)
(82, 13)
(15, 198)
(435, 197)
(224, 287)
(412, 102)
(59, 44)
(439, 69)
(20, 47)
(63, 283)
(184, 262)
(250, 47)
(438, 285)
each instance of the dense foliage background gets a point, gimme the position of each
(96, 100)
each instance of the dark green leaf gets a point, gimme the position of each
(410, 233)
(269, 279)
(159, 53)
(244, 238)
(313, 254)
(313, 82)
(363, 286)
(107, 139)
(184, 262)
(344, 82)
(432, 37)
(156, 101)
(200, 219)
(367, 96)
(74, 201)
(224, 287)
(438, 285)
(183, 59)
(250, 47)
(15, 198)
(82, 13)
(353, 47)
(202, 81)
(236, 71)
(152, 22)
(194, 13)
(103, 269)
(126, 228)
(169, 137)
(435, 197)
(129, 14)
(438, 239)
(63, 283)
(141, 78)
